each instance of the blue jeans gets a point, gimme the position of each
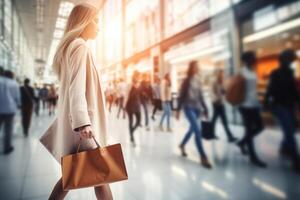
(287, 121)
(166, 113)
(192, 115)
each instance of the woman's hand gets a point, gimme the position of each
(86, 132)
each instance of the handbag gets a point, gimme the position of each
(94, 167)
(208, 130)
(235, 93)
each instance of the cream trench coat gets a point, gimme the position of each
(80, 103)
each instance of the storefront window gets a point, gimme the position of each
(180, 15)
(8, 20)
(1, 18)
(112, 33)
(16, 33)
(142, 25)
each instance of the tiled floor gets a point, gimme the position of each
(156, 171)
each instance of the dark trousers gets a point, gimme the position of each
(133, 126)
(37, 107)
(146, 116)
(121, 107)
(219, 111)
(253, 126)
(7, 120)
(156, 106)
(26, 118)
(287, 121)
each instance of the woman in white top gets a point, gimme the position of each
(81, 111)
(165, 91)
(250, 110)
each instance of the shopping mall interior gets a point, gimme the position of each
(142, 55)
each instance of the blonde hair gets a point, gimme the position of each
(81, 15)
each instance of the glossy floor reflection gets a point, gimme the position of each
(156, 171)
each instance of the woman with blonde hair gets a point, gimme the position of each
(81, 112)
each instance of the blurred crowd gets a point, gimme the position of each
(282, 100)
(14, 97)
(141, 98)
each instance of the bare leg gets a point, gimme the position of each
(58, 193)
(103, 193)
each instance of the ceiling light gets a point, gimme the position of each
(65, 8)
(272, 31)
(58, 33)
(61, 23)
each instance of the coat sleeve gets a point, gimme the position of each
(77, 90)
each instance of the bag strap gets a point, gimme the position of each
(79, 144)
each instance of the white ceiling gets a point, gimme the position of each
(27, 13)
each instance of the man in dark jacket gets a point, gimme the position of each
(27, 99)
(282, 97)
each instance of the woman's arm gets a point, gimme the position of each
(77, 90)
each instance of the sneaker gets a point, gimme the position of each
(243, 149)
(161, 128)
(232, 140)
(205, 163)
(258, 163)
(182, 150)
(169, 130)
(8, 151)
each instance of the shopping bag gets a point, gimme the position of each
(235, 92)
(96, 167)
(207, 130)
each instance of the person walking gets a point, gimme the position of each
(166, 98)
(156, 96)
(282, 98)
(52, 99)
(121, 95)
(44, 96)
(27, 101)
(10, 101)
(145, 96)
(192, 102)
(37, 99)
(218, 105)
(81, 109)
(250, 110)
(132, 105)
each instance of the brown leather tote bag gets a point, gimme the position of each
(93, 167)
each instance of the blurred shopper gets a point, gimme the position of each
(156, 96)
(52, 99)
(110, 96)
(250, 110)
(192, 102)
(165, 93)
(44, 96)
(145, 97)
(133, 105)
(27, 99)
(81, 111)
(121, 95)
(282, 98)
(9, 101)
(218, 104)
(37, 99)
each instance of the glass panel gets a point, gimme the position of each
(7, 20)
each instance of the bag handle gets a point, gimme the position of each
(78, 147)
